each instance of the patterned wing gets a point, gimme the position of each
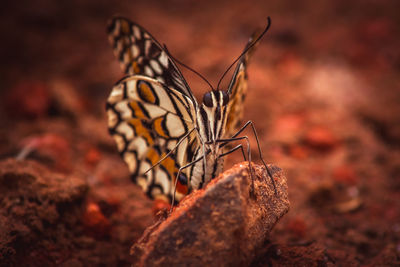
(237, 91)
(139, 53)
(147, 120)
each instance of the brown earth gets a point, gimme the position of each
(323, 93)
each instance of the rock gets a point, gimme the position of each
(92, 157)
(37, 205)
(288, 127)
(321, 138)
(160, 205)
(96, 224)
(221, 225)
(298, 151)
(346, 175)
(331, 197)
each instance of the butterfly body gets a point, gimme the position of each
(168, 140)
(204, 171)
(211, 117)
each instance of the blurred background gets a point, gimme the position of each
(323, 93)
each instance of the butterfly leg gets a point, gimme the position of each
(225, 141)
(244, 156)
(259, 151)
(258, 146)
(177, 177)
(233, 150)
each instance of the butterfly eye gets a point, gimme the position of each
(207, 99)
(225, 98)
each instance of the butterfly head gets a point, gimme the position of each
(215, 98)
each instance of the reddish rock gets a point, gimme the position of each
(345, 174)
(221, 225)
(321, 138)
(159, 205)
(298, 152)
(288, 127)
(92, 157)
(95, 222)
(290, 122)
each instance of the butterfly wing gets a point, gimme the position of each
(139, 53)
(147, 119)
(237, 91)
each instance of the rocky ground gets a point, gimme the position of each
(323, 93)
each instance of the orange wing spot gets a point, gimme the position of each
(157, 126)
(124, 26)
(137, 110)
(169, 165)
(146, 93)
(126, 43)
(135, 65)
(140, 130)
(153, 156)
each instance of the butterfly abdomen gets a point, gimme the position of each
(202, 176)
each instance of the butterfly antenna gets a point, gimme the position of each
(189, 68)
(245, 51)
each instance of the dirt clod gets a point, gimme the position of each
(33, 201)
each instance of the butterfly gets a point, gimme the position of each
(171, 143)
